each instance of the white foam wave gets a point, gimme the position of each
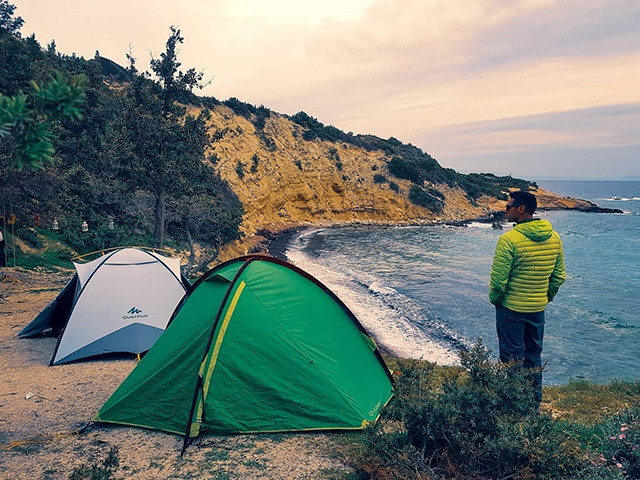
(480, 225)
(375, 287)
(388, 326)
(621, 199)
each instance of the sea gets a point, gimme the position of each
(422, 291)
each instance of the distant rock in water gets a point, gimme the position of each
(551, 201)
(596, 209)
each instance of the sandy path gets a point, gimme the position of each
(39, 436)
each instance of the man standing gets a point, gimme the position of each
(527, 271)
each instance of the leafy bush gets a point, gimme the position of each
(63, 252)
(394, 186)
(339, 166)
(268, 141)
(406, 170)
(423, 198)
(254, 163)
(617, 443)
(379, 179)
(298, 164)
(261, 115)
(477, 421)
(240, 170)
(436, 193)
(103, 470)
(240, 108)
(31, 236)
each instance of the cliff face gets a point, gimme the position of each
(285, 181)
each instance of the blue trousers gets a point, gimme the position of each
(520, 336)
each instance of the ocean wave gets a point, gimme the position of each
(480, 225)
(621, 199)
(386, 314)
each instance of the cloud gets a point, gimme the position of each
(603, 126)
(583, 143)
(607, 163)
(590, 28)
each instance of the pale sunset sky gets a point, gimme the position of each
(538, 89)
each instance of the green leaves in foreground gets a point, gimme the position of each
(27, 121)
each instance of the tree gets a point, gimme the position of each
(8, 23)
(173, 81)
(168, 143)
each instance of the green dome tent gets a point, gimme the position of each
(256, 345)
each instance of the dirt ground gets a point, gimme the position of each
(45, 415)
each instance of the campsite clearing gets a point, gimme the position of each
(42, 437)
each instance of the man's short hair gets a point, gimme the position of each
(527, 199)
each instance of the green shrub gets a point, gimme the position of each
(298, 164)
(31, 236)
(254, 163)
(261, 115)
(436, 193)
(339, 166)
(240, 108)
(394, 186)
(477, 421)
(422, 198)
(63, 252)
(240, 170)
(379, 179)
(411, 163)
(268, 141)
(617, 441)
(406, 170)
(103, 470)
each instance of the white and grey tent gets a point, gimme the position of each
(120, 302)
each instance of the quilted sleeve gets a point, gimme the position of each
(558, 276)
(500, 270)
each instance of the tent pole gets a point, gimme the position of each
(13, 239)
(4, 224)
(193, 407)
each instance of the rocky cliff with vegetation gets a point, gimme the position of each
(291, 171)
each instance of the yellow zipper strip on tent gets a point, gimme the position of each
(223, 330)
(195, 428)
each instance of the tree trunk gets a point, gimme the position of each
(158, 233)
(192, 253)
(208, 257)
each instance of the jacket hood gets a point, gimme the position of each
(536, 229)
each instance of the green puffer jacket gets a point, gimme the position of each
(528, 267)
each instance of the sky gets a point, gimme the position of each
(539, 89)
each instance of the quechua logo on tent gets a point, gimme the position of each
(134, 313)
